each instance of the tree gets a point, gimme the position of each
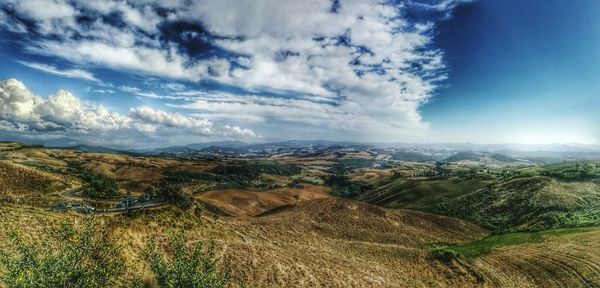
(171, 193)
(187, 267)
(99, 185)
(69, 256)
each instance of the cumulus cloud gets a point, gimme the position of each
(64, 115)
(359, 65)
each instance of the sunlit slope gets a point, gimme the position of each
(342, 243)
(19, 181)
(240, 202)
(567, 260)
(528, 203)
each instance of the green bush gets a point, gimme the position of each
(342, 186)
(171, 193)
(187, 267)
(444, 254)
(99, 185)
(71, 256)
(573, 171)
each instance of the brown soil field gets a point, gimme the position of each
(239, 202)
(136, 173)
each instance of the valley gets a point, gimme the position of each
(339, 216)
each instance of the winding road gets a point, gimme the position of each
(72, 194)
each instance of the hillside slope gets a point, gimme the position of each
(20, 180)
(420, 193)
(331, 242)
(570, 260)
(528, 203)
(325, 242)
(239, 202)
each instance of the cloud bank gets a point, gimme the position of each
(64, 116)
(361, 68)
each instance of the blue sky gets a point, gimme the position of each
(520, 72)
(157, 73)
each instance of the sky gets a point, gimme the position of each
(143, 73)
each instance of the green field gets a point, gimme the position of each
(527, 204)
(417, 194)
(470, 250)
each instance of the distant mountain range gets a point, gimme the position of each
(411, 152)
(574, 147)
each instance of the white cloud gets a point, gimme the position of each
(150, 115)
(103, 91)
(71, 73)
(64, 115)
(16, 101)
(365, 68)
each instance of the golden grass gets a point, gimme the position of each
(20, 180)
(571, 260)
(239, 202)
(332, 242)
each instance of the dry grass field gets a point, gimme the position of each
(239, 202)
(330, 242)
(25, 185)
(303, 236)
(571, 260)
(322, 242)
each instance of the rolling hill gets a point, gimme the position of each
(527, 204)
(420, 193)
(303, 236)
(488, 158)
(27, 185)
(239, 202)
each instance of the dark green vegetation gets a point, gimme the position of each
(568, 171)
(419, 194)
(536, 198)
(98, 185)
(342, 186)
(170, 193)
(241, 175)
(70, 256)
(480, 156)
(81, 255)
(446, 252)
(527, 204)
(187, 267)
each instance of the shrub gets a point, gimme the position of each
(443, 254)
(342, 186)
(99, 185)
(71, 256)
(170, 193)
(187, 267)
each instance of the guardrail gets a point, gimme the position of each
(131, 208)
